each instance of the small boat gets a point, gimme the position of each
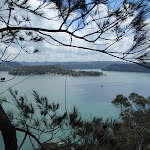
(61, 143)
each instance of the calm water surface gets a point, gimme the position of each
(91, 95)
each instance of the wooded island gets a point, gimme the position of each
(51, 70)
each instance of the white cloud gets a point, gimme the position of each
(50, 52)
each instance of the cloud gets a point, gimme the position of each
(51, 52)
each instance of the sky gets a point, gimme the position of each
(50, 51)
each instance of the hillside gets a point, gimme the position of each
(51, 70)
(74, 65)
(126, 68)
(5, 67)
(84, 65)
(14, 64)
(103, 65)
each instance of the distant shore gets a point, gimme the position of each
(51, 70)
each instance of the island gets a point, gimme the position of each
(51, 70)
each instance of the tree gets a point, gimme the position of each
(43, 119)
(78, 20)
(133, 131)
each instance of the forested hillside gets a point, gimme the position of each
(52, 70)
(103, 65)
(5, 67)
(75, 65)
(126, 68)
(14, 64)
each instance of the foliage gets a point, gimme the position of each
(5, 67)
(86, 65)
(126, 68)
(74, 65)
(37, 119)
(45, 118)
(79, 22)
(51, 69)
(134, 129)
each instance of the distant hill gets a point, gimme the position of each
(126, 68)
(74, 65)
(36, 63)
(5, 67)
(103, 65)
(14, 64)
(84, 65)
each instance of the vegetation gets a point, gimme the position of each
(5, 67)
(103, 65)
(85, 26)
(133, 131)
(126, 68)
(13, 64)
(52, 70)
(86, 65)
(74, 65)
(43, 119)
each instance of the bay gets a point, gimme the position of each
(91, 95)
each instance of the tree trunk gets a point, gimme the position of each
(141, 142)
(8, 131)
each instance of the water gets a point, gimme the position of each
(91, 95)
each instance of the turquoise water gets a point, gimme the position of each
(91, 95)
